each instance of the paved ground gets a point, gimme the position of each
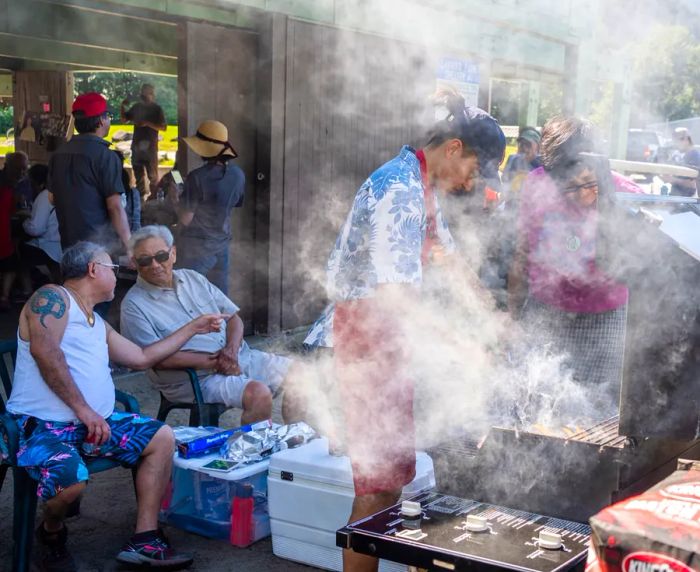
(109, 510)
(109, 507)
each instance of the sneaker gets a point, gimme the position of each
(56, 556)
(155, 553)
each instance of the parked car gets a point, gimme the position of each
(643, 145)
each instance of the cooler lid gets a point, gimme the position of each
(312, 462)
(196, 464)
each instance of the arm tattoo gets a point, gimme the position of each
(48, 302)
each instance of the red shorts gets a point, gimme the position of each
(377, 397)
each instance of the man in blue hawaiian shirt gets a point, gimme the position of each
(393, 231)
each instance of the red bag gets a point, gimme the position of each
(657, 531)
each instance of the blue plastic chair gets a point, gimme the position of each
(25, 499)
(201, 413)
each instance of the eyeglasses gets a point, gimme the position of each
(588, 185)
(114, 267)
(160, 257)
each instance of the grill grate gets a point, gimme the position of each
(605, 434)
(467, 447)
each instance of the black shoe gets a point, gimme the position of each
(155, 553)
(56, 556)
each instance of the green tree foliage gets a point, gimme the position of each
(116, 86)
(667, 75)
(6, 119)
(602, 107)
(551, 101)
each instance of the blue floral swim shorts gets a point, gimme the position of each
(54, 453)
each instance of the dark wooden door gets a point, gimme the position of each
(218, 80)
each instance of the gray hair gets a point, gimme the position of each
(75, 260)
(151, 231)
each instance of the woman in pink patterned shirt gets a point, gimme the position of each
(566, 301)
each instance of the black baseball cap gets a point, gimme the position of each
(482, 133)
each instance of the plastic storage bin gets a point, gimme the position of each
(310, 497)
(200, 501)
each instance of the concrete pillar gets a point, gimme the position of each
(570, 79)
(529, 104)
(620, 118)
(33, 90)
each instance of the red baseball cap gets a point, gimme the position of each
(91, 104)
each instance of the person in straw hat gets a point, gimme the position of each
(210, 193)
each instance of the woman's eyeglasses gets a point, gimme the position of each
(160, 257)
(588, 185)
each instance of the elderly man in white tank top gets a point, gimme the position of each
(63, 402)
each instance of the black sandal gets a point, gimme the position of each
(57, 558)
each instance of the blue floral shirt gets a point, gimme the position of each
(381, 240)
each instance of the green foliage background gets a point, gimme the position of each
(6, 120)
(116, 86)
(667, 75)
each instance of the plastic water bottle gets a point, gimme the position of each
(242, 516)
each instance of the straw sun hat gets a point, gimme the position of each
(211, 140)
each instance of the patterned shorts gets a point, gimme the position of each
(54, 453)
(377, 397)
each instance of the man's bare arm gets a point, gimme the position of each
(43, 321)
(234, 333)
(123, 112)
(127, 353)
(155, 126)
(196, 360)
(186, 217)
(227, 363)
(117, 215)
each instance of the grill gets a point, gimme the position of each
(653, 245)
(604, 434)
(571, 477)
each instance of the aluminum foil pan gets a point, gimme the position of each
(256, 445)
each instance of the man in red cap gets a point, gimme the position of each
(86, 180)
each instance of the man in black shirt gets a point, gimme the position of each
(148, 119)
(86, 180)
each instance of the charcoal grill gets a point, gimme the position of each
(653, 245)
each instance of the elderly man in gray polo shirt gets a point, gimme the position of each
(163, 299)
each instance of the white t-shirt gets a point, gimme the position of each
(87, 356)
(43, 226)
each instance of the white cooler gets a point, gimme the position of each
(310, 497)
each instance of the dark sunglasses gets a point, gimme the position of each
(161, 257)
